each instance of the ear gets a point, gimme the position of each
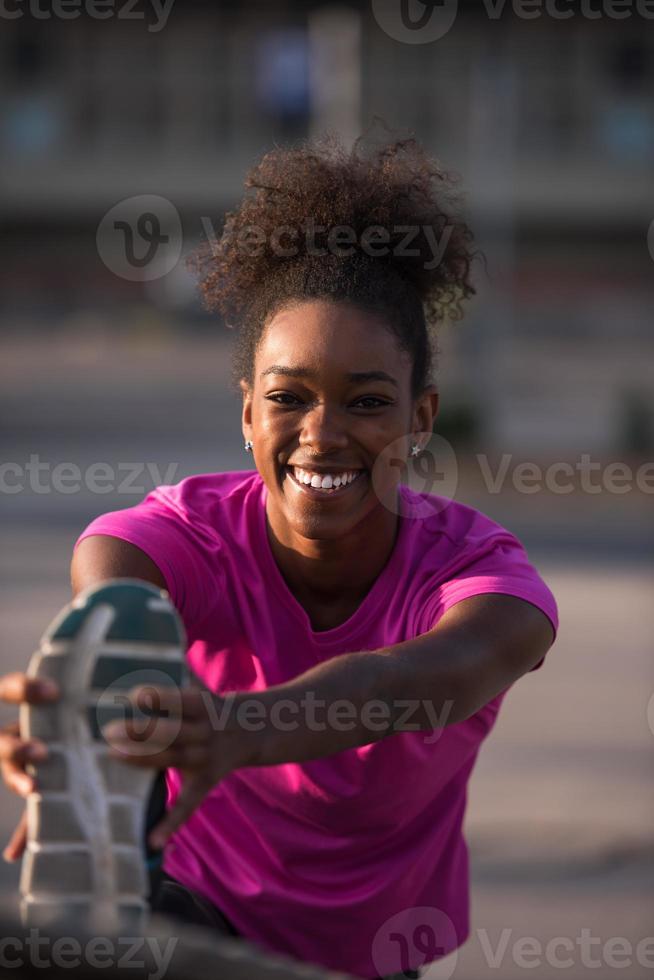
(246, 415)
(425, 410)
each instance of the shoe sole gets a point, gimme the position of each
(84, 859)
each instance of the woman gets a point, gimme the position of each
(379, 626)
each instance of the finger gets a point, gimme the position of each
(14, 756)
(157, 732)
(17, 781)
(32, 749)
(191, 794)
(17, 842)
(143, 755)
(16, 688)
(191, 703)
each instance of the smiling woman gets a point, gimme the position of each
(318, 426)
(354, 638)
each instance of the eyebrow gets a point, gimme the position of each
(302, 372)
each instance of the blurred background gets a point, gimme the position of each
(124, 140)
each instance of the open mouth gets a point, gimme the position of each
(323, 485)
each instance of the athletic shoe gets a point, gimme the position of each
(85, 857)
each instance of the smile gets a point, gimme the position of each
(323, 485)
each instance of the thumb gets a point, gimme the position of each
(193, 790)
(16, 845)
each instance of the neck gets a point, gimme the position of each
(336, 569)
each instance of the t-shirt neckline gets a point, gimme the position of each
(367, 607)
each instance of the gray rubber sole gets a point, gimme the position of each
(85, 858)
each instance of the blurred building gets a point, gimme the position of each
(550, 124)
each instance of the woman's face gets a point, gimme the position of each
(331, 392)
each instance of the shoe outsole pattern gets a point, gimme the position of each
(84, 859)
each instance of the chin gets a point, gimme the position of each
(320, 528)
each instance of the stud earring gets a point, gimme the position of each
(415, 449)
(248, 446)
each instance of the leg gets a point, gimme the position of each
(175, 901)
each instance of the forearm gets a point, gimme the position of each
(359, 698)
(478, 649)
(437, 679)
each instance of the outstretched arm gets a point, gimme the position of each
(477, 650)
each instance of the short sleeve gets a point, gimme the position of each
(186, 551)
(500, 565)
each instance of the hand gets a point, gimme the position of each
(191, 730)
(16, 753)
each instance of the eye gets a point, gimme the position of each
(279, 395)
(371, 398)
(286, 399)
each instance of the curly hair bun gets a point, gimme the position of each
(379, 227)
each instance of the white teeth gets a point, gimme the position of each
(327, 481)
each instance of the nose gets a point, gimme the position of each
(323, 431)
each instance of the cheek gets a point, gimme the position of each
(266, 422)
(273, 430)
(388, 435)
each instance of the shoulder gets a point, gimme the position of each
(450, 527)
(207, 495)
(457, 552)
(187, 530)
(199, 515)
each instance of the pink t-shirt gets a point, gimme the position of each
(325, 860)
